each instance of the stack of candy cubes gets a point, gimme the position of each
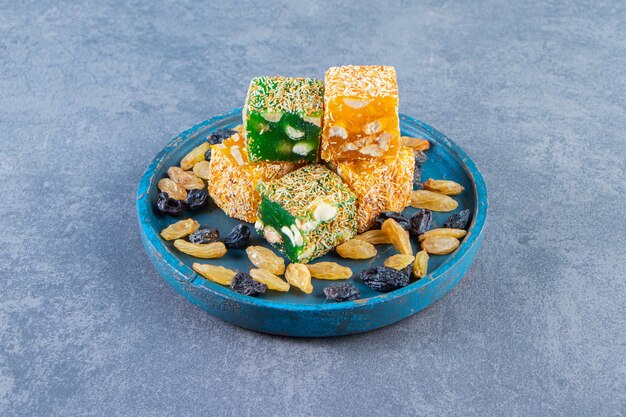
(320, 161)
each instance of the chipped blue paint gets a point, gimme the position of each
(295, 314)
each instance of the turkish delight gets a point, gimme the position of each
(306, 213)
(361, 113)
(233, 179)
(283, 118)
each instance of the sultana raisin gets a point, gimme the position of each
(180, 229)
(187, 179)
(399, 237)
(417, 144)
(440, 245)
(421, 222)
(356, 249)
(443, 186)
(299, 276)
(266, 259)
(458, 220)
(174, 190)
(202, 170)
(383, 279)
(342, 292)
(269, 279)
(455, 233)
(375, 237)
(214, 273)
(329, 270)
(399, 261)
(425, 199)
(420, 266)
(244, 284)
(201, 250)
(196, 155)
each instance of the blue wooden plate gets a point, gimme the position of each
(295, 313)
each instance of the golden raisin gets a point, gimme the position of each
(425, 199)
(399, 261)
(420, 266)
(356, 249)
(269, 279)
(399, 237)
(185, 178)
(180, 229)
(214, 273)
(201, 250)
(456, 233)
(299, 276)
(196, 155)
(266, 259)
(173, 190)
(375, 237)
(202, 170)
(443, 186)
(440, 245)
(416, 144)
(329, 270)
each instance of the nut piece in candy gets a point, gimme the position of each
(443, 186)
(420, 266)
(440, 245)
(425, 199)
(399, 237)
(455, 233)
(269, 279)
(175, 191)
(266, 259)
(356, 249)
(299, 276)
(329, 270)
(399, 261)
(201, 250)
(179, 229)
(214, 273)
(196, 155)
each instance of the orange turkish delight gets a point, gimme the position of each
(361, 113)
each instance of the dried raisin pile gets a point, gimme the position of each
(238, 237)
(219, 136)
(167, 205)
(421, 222)
(204, 236)
(402, 221)
(244, 284)
(458, 220)
(383, 279)
(342, 292)
(197, 199)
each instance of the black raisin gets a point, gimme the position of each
(421, 222)
(204, 236)
(219, 136)
(342, 292)
(244, 284)
(420, 158)
(402, 221)
(197, 199)
(238, 237)
(383, 279)
(167, 205)
(207, 154)
(458, 220)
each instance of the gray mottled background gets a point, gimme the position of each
(90, 91)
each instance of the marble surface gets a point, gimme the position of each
(90, 91)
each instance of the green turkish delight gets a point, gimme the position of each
(306, 213)
(282, 118)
